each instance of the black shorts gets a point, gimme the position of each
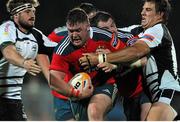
(65, 110)
(132, 106)
(108, 89)
(12, 110)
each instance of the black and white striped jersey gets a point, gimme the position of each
(161, 69)
(28, 46)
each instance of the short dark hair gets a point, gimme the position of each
(88, 7)
(162, 6)
(11, 4)
(76, 15)
(101, 16)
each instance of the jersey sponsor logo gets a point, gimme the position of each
(7, 27)
(34, 48)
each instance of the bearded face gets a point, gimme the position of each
(26, 19)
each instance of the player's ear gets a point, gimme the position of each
(15, 16)
(88, 27)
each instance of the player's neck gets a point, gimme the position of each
(24, 30)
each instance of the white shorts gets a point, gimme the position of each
(172, 98)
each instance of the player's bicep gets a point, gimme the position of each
(6, 44)
(57, 75)
(141, 47)
(8, 50)
(56, 79)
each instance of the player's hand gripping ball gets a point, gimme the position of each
(81, 81)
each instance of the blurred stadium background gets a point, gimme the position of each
(51, 14)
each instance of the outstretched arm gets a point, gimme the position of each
(10, 53)
(44, 63)
(128, 54)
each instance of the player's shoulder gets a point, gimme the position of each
(38, 33)
(157, 27)
(37, 30)
(61, 31)
(100, 34)
(7, 26)
(64, 47)
(129, 28)
(156, 30)
(133, 29)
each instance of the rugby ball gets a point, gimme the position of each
(80, 81)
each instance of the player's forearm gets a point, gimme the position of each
(43, 61)
(13, 56)
(58, 84)
(139, 63)
(62, 90)
(128, 54)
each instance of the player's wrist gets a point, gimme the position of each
(74, 92)
(102, 58)
(23, 63)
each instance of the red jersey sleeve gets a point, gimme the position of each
(54, 37)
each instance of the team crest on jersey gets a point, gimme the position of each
(34, 48)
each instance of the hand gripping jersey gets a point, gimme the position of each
(28, 46)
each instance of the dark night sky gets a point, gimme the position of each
(52, 13)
